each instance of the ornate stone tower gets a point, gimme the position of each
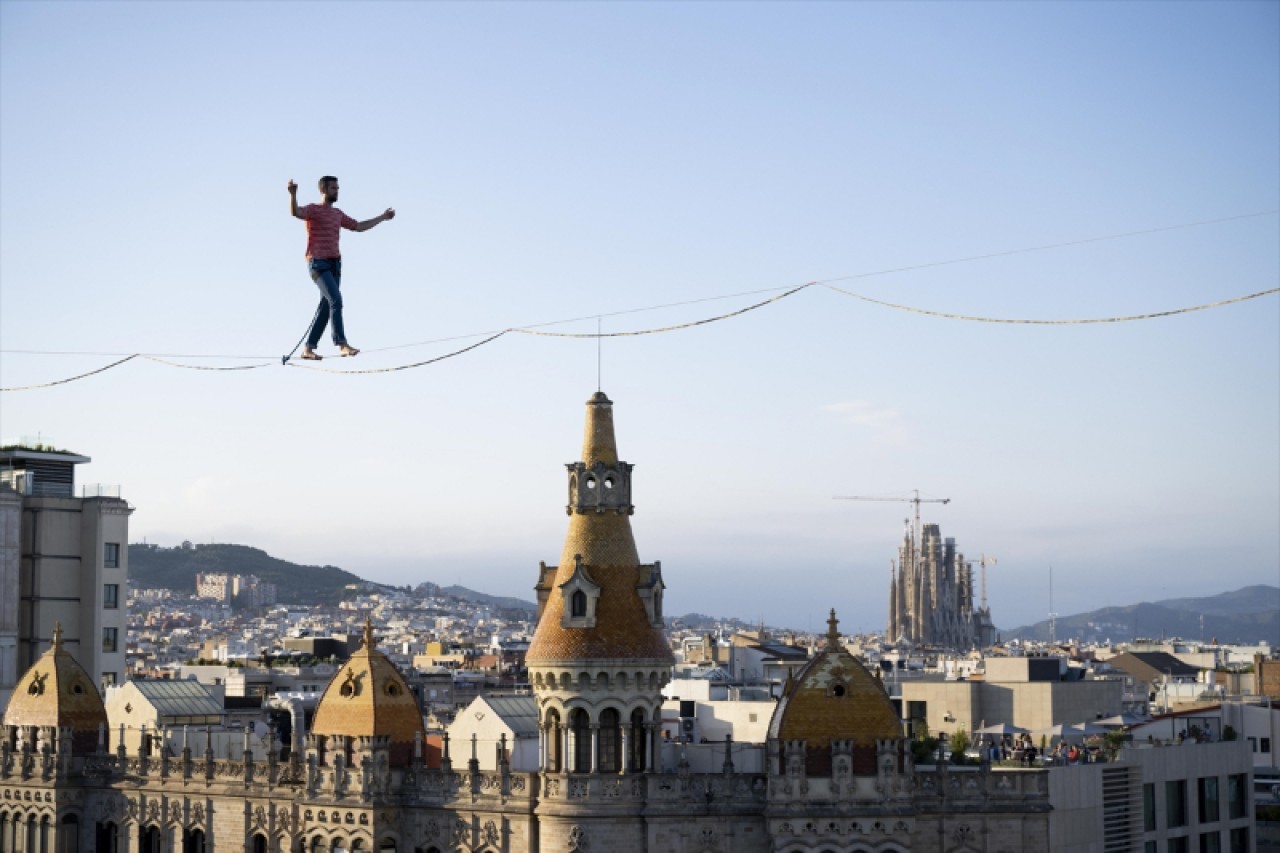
(599, 657)
(931, 595)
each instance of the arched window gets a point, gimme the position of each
(555, 742)
(193, 841)
(69, 835)
(580, 732)
(637, 745)
(150, 840)
(578, 602)
(259, 843)
(609, 759)
(107, 838)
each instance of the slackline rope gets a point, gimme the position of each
(476, 345)
(1083, 322)
(168, 363)
(739, 312)
(661, 329)
(73, 378)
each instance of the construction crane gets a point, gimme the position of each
(983, 560)
(917, 500)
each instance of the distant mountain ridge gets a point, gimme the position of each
(176, 569)
(151, 566)
(501, 602)
(1247, 615)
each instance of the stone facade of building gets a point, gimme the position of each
(839, 775)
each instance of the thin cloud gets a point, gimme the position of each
(884, 424)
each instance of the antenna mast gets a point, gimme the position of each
(1053, 625)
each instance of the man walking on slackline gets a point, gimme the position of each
(323, 259)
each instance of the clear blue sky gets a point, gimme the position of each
(551, 161)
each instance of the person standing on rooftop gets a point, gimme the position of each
(325, 262)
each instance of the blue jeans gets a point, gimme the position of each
(327, 274)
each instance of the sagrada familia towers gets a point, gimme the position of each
(931, 596)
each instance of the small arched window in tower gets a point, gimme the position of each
(580, 732)
(609, 755)
(555, 742)
(636, 747)
(578, 604)
(608, 482)
(837, 689)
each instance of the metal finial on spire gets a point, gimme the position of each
(56, 643)
(368, 632)
(833, 634)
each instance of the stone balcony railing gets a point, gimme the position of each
(722, 790)
(43, 756)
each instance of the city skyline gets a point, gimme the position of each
(552, 161)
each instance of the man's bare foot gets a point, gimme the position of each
(347, 349)
(310, 355)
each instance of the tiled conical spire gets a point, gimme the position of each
(599, 496)
(598, 442)
(622, 599)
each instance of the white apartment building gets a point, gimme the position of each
(242, 590)
(64, 559)
(215, 587)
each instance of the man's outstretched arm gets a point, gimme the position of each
(293, 199)
(389, 213)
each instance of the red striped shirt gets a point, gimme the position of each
(323, 222)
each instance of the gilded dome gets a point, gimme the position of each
(834, 697)
(368, 697)
(56, 691)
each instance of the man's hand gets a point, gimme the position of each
(389, 213)
(293, 188)
(293, 199)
